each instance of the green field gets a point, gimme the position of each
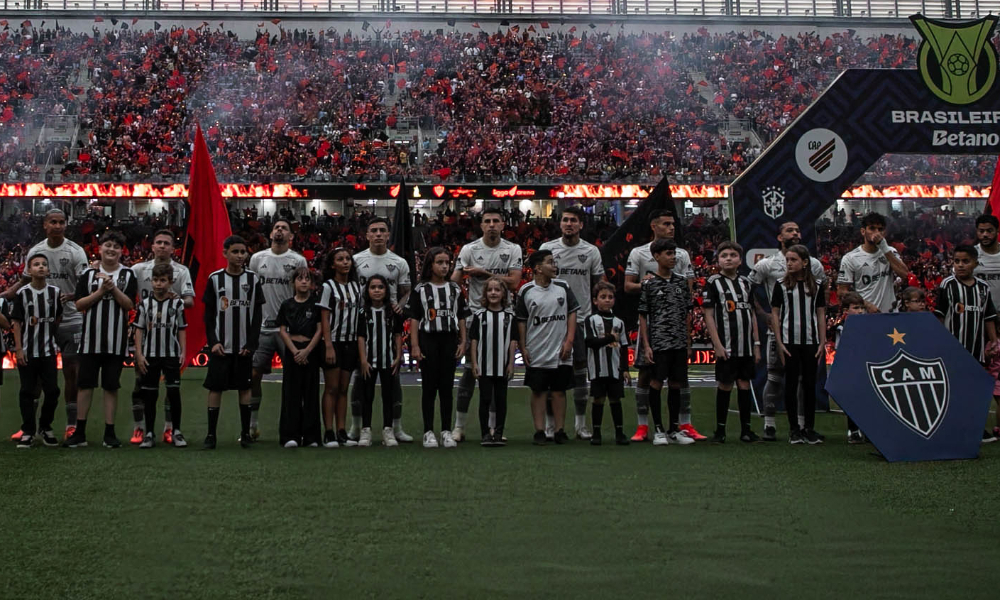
(703, 521)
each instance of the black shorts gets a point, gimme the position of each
(671, 365)
(607, 387)
(229, 372)
(347, 356)
(559, 379)
(105, 369)
(170, 368)
(740, 368)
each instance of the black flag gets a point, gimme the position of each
(635, 231)
(401, 241)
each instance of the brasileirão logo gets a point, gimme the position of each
(956, 60)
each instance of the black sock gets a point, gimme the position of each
(597, 415)
(674, 406)
(743, 400)
(150, 410)
(851, 425)
(245, 418)
(616, 416)
(655, 408)
(213, 419)
(81, 427)
(721, 409)
(109, 430)
(174, 403)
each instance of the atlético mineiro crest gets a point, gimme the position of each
(505, 257)
(581, 257)
(245, 287)
(561, 301)
(915, 390)
(774, 201)
(391, 268)
(64, 261)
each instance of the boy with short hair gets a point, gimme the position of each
(104, 294)
(233, 314)
(665, 327)
(36, 316)
(546, 322)
(160, 342)
(607, 362)
(732, 326)
(851, 303)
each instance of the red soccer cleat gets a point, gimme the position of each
(689, 430)
(168, 436)
(17, 436)
(641, 433)
(70, 430)
(137, 436)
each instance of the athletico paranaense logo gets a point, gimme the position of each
(914, 390)
(956, 60)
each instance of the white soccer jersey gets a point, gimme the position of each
(578, 266)
(545, 311)
(499, 260)
(769, 270)
(989, 271)
(67, 262)
(641, 263)
(182, 279)
(275, 272)
(389, 265)
(870, 275)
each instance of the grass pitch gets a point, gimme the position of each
(703, 521)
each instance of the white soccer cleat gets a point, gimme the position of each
(679, 438)
(430, 440)
(447, 440)
(366, 437)
(458, 434)
(660, 439)
(291, 444)
(178, 439)
(582, 433)
(401, 436)
(388, 438)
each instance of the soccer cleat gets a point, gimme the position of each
(560, 437)
(430, 440)
(291, 444)
(795, 437)
(770, 434)
(689, 430)
(366, 437)
(499, 439)
(16, 437)
(168, 436)
(855, 437)
(178, 439)
(138, 436)
(447, 441)
(660, 439)
(313, 445)
(819, 435)
(487, 440)
(401, 436)
(111, 441)
(719, 437)
(75, 441)
(148, 440)
(680, 437)
(749, 437)
(388, 438)
(550, 432)
(540, 439)
(210, 442)
(641, 433)
(25, 441)
(582, 433)
(246, 439)
(595, 438)
(70, 430)
(621, 439)
(458, 434)
(49, 438)
(330, 439)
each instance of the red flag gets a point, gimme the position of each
(544, 24)
(208, 227)
(476, 25)
(993, 204)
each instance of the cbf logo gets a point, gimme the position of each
(956, 60)
(774, 201)
(914, 390)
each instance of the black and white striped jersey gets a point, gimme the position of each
(343, 300)
(437, 307)
(965, 309)
(161, 322)
(493, 330)
(733, 311)
(379, 327)
(607, 343)
(39, 312)
(233, 310)
(798, 323)
(106, 323)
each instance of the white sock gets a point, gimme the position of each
(580, 421)
(397, 425)
(642, 419)
(549, 423)
(355, 426)
(492, 422)
(460, 418)
(168, 426)
(768, 421)
(802, 422)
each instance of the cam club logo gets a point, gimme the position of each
(956, 60)
(774, 201)
(915, 390)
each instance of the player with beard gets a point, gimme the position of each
(988, 269)
(764, 275)
(871, 268)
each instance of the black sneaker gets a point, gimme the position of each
(49, 439)
(487, 440)
(246, 440)
(988, 438)
(719, 437)
(561, 437)
(498, 438)
(595, 438)
(330, 439)
(539, 439)
(77, 440)
(111, 441)
(621, 439)
(341, 438)
(795, 437)
(811, 437)
(819, 435)
(25, 441)
(749, 437)
(855, 437)
(210, 442)
(770, 434)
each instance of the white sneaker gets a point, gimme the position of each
(402, 436)
(660, 439)
(179, 441)
(679, 438)
(458, 434)
(447, 440)
(366, 437)
(291, 444)
(148, 441)
(582, 433)
(388, 439)
(430, 440)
